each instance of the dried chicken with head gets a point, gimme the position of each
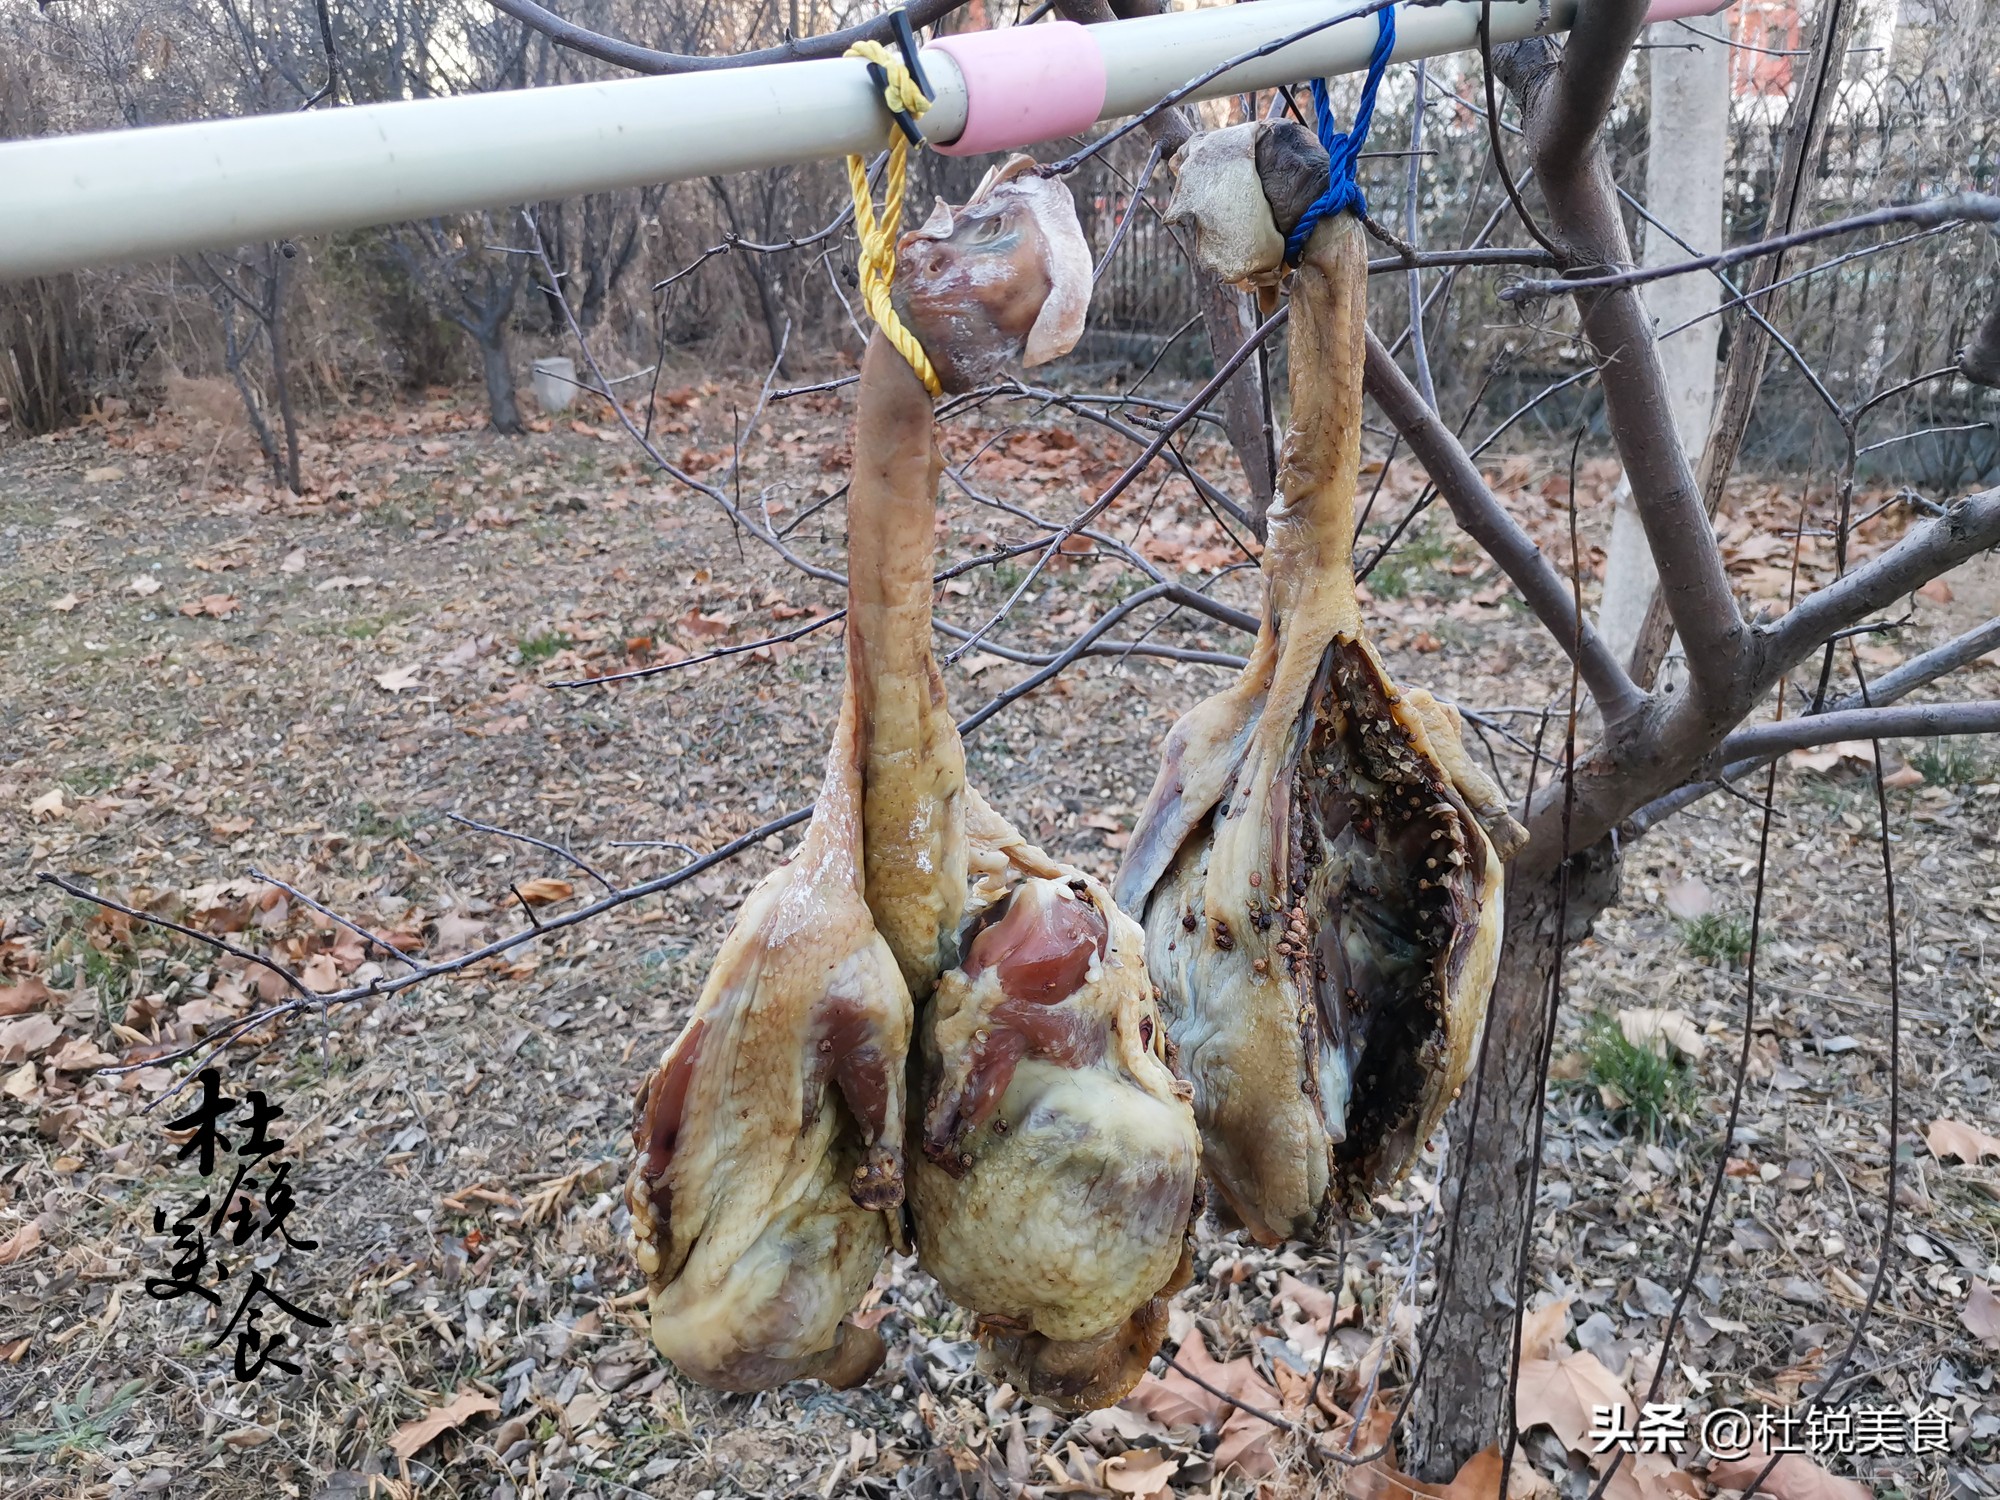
(1054, 1157)
(1322, 904)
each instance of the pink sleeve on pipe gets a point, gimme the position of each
(1685, 10)
(1025, 84)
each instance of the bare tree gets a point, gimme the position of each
(473, 285)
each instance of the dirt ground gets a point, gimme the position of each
(200, 677)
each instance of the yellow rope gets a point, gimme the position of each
(878, 234)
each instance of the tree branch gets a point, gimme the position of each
(1558, 101)
(1479, 511)
(1678, 737)
(1959, 208)
(1905, 721)
(1969, 526)
(1911, 675)
(1931, 665)
(640, 59)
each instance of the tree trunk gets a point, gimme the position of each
(281, 372)
(1463, 1403)
(498, 369)
(232, 360)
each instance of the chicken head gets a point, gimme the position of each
(1003, 278)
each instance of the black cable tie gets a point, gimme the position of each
(906, 40)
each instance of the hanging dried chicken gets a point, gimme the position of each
(1058, 1156)
(1322, 905)
(770, 1163)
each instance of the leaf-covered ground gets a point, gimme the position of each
(202, 678)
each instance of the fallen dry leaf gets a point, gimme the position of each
(27, 1036)
(1480, 1479)
(1966, 1142)
(21, 1242)
(1861, 752)
(295, 561)
(1559, 1394)
(321, 974)
(1795, 1478)
(1316, 1304)
(695, 623)
(1243, 1441)
(215, 606)
(1545, 1334)
(80, 1055)
(204, 1010)
(1981, 1314)
(48, 805)
(29, 994)
(1903, 778)
(1657, 1030)
(1688, 899)
(545, 890)
(143, 584)
(1138, 1472)
(1378, 1478)
(397, 679)
(65, 604)
(455, 932)
(1645, 1476)
(413, 1437)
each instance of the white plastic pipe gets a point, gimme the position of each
(72, 201)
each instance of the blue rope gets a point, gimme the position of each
(1344, 151)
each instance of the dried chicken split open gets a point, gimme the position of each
(1054, 1154)
(1321, 901)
